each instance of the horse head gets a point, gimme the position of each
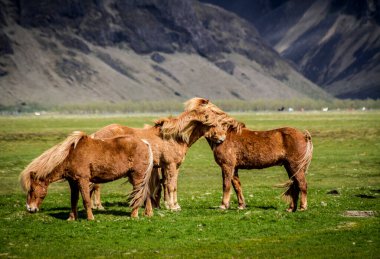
(192, 125)
(212, 114)
(36, 192)
(36, 177)
(216, 134)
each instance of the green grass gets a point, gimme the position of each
(346, 158)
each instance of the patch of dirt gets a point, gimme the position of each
(360, 213)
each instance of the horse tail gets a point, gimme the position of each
(140, 194)
(43, 165)
(303, 165)
(308, 152)
(155, 187)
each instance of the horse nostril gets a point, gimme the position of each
(220, 140)
(30, 209)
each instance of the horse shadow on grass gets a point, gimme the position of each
(248, 207)
(271, 207)
(62, 213)
(108, 204)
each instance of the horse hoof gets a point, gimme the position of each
(290, 210)
(148, 214)
(135, 214)
(303, 209)
(175, 208)
(241, 207)
(223, 207)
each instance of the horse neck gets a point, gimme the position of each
(195, 135)
(230, 137)
(152, 130)
(56, 175)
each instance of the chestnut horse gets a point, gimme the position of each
(248, 149)
(81, 159)
(170, 139)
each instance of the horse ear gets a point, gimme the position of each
(205, 101)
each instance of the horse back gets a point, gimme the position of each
(111, 131)
(260, 149)
(103, 160)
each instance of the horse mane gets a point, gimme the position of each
(197, 110)
(43, 165)
(180, 127)
(214, 113)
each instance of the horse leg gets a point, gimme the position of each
(95, 194)
(74, 200)
(176, 205)
(172, 175)
(135, 181)
(302, 186)
(92, 191)
(157, 195)
(155, 188)
(239, 192)
(165, 187)
(293, 190)
(227, 176)
(84, 186)
(148, 207)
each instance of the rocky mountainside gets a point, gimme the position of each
(75, 51)
(335, 44)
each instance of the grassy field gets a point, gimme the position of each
(346, 160)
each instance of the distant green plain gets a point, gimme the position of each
(346, 163)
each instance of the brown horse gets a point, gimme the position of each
(81, 159)
(248, 149)
(170, 139)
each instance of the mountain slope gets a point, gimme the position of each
(82, 51)
(335, 44)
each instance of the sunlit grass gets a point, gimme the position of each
(346, 159)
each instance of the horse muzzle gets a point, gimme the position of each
(220, 140)
(31, 209)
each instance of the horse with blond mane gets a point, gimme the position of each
(80, 159)
(170, 139)
(248, 149)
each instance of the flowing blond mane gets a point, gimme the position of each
(43, 165)
(197, 110)
(180, 127)
(214, 114)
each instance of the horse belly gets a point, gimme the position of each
(103, 174)
(259, 160)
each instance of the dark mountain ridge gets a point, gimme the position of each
(334, 43)
(89, 50)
